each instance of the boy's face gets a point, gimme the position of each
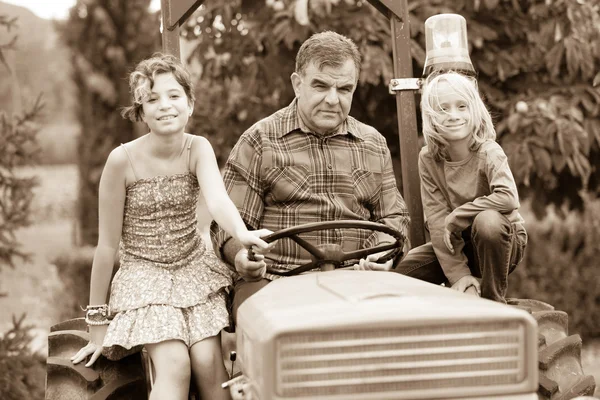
(325, 95)
(453, 116)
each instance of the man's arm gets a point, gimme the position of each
(243, 183)
(389, 207)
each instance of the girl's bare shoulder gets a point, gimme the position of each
(199, 144)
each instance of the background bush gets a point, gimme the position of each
(22, 373)
(560, 267)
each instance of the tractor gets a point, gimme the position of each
(343, 334)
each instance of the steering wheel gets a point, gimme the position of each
(331, 256)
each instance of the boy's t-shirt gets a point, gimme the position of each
(455, 192)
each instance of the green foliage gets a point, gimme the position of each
(542, 53)
(247, 52)
(17, 148)
(537, 64)
(22, 373)
(561, 268)
(107, 40)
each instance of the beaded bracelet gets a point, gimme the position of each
(97, 315)
(95, 323)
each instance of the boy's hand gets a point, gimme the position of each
(447, 241)
(468, 284)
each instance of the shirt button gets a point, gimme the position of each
(329, 166)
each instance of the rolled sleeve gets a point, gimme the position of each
(389, 207)
(243, 183)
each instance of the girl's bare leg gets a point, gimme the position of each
(171, 362)
(208, 368)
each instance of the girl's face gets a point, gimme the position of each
(167, 109)
(453, 117)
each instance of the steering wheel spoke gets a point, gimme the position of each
(313, 250)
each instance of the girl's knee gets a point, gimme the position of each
(171, 360)
(490, 225)
(206, 353)
(177, 366)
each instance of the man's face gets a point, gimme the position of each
(325, 96)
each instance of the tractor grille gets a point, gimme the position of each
(391, 360)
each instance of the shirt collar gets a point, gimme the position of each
(292, 122)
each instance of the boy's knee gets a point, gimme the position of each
(490, 225)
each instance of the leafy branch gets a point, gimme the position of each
(8, 23)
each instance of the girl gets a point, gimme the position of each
(469, 195)
(169, 293)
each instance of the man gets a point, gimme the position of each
(311, 162)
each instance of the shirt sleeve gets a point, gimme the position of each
(243, 182)
(389, 207)
(436, 207)
(503, 198)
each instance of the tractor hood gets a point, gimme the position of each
(349, 298)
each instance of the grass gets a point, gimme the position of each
(34, 288)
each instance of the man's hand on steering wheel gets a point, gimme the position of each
(252, 268)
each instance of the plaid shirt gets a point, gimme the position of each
(279, 175)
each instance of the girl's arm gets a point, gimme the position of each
(111, 203)
(503, 198)
(218, 202)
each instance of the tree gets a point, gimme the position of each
(542, 55)
(537, 63)
(20, 370)
(247, 51)
(107, 39)
(17, 148)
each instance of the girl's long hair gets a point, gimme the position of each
(480, 122)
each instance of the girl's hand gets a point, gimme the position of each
(253, 239)
(94, 347)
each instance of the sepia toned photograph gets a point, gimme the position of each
(299, 199)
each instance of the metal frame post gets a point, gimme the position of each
(173, 14)
(397, 13)
(170, 34)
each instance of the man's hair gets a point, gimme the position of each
(480, 123)
(327, 49)
(142, 79)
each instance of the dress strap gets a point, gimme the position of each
(189, 150)
(130, 161)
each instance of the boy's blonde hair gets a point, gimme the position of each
(142, 79)
(480, 122)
